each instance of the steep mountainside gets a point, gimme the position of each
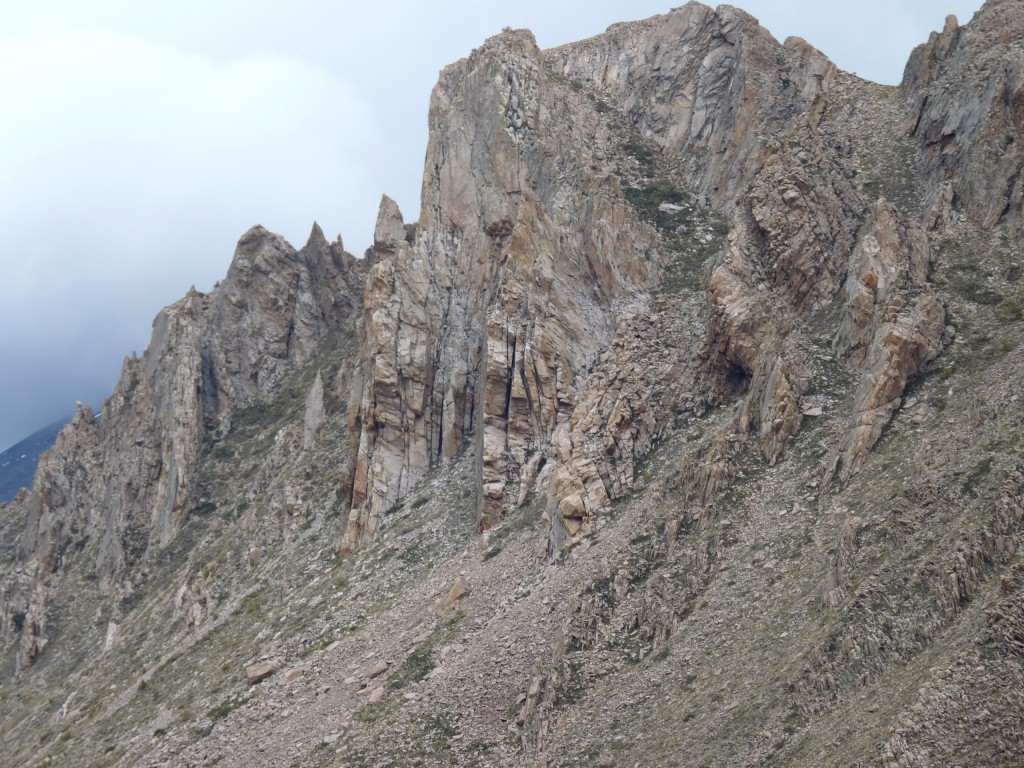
(681, 428)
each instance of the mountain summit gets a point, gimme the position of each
(681, 427)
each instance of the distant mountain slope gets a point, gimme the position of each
(18, 463)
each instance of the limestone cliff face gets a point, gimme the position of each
(966, 85)
(124, 484)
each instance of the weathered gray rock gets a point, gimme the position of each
(669, 236)
(966, 85)
(513, 285)
(269, 312)
(892, 325)
(784, 262)
(710, 83)
(123, 485)
(459, 589)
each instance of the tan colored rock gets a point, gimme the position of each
(783, 263)
(940, 213)
(709, 470)
(531, 316)
(892, 325)
(703, 103)
(496, 258)
(622, 409)
(890, 257)
(390, 229)
(573, 525)
(314, 415)
(572, 506)
(459, 590)
(257, 673)
(540, 330)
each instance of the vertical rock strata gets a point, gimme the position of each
(892, 325)
(707, 83)
(488, 316)
(480, 322)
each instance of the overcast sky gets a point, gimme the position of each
(139, 140)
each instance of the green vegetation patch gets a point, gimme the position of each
(420, 663)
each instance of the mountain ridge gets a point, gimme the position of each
(688, 399)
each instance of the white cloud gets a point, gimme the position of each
(127, 171)
(161, 159)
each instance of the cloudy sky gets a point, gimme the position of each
(138, 140)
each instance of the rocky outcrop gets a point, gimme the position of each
(892, 325)
(516, 316)
(123, 485)
(869, 634)
(666, 290)
(966, 87)
(710, 84)
(785, 262)
(62, 507)
(481, 325)
(740, 111)
(525, 251)
(314, 412)
(269, 313)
